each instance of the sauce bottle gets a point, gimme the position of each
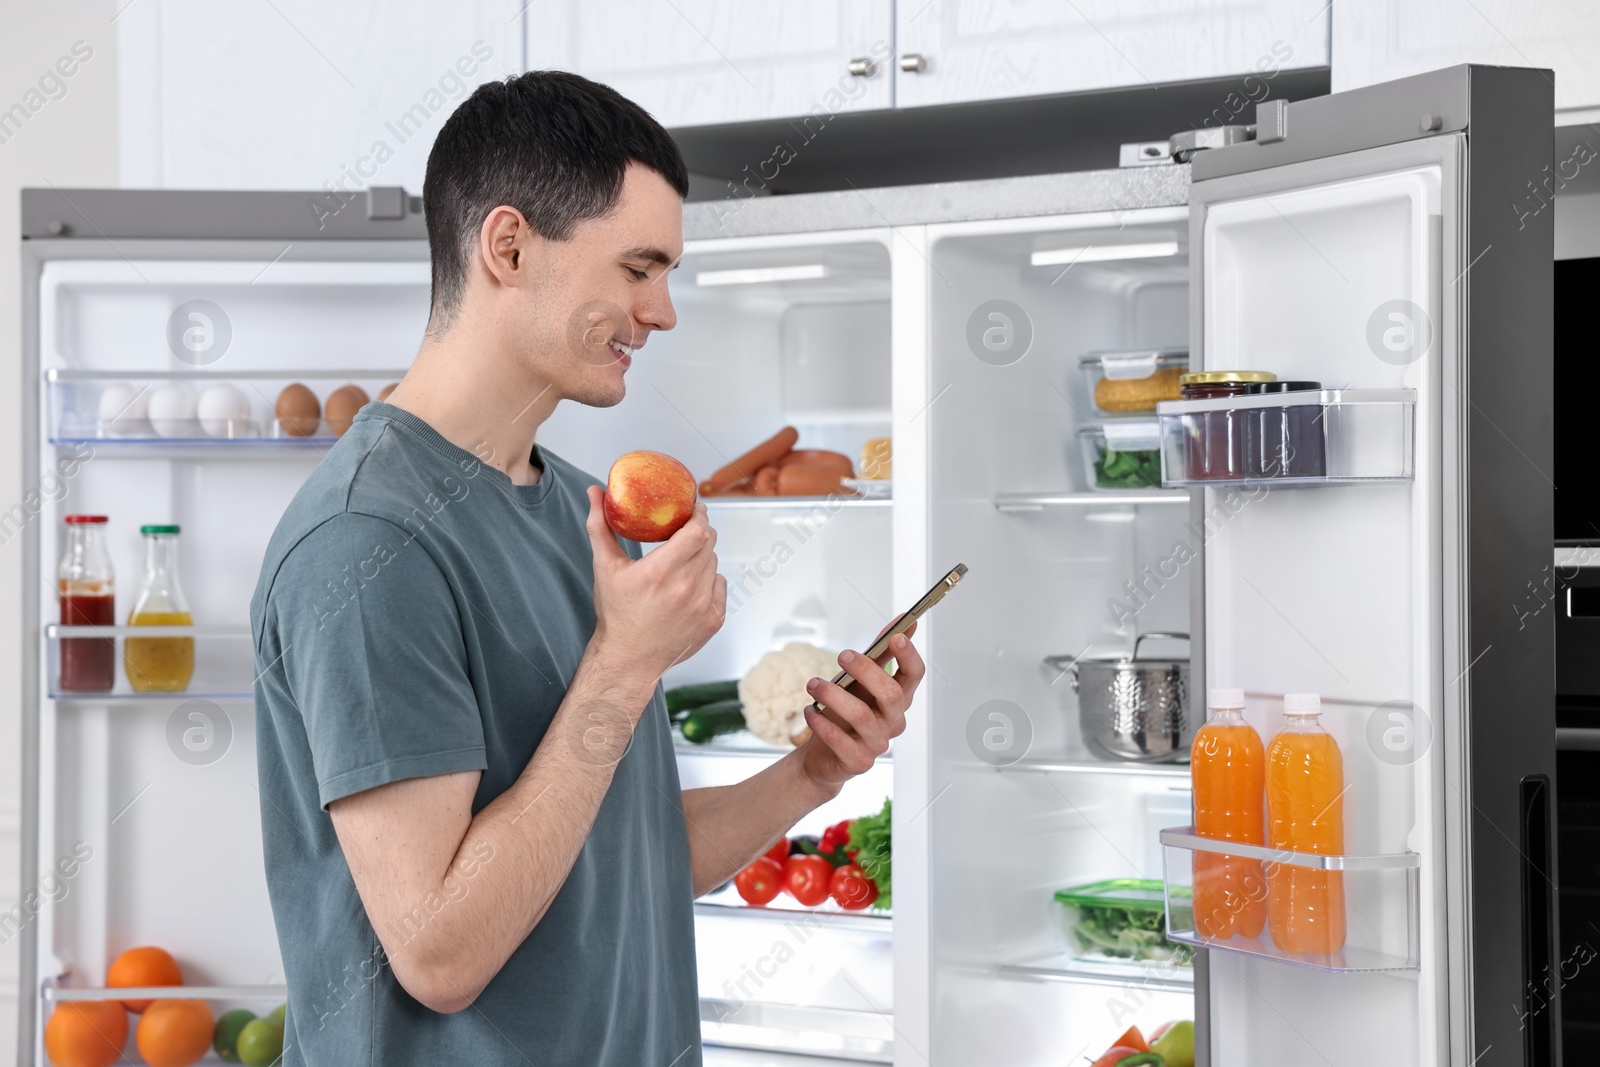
(1305, 813)
(159, 664)
(1227, 765)
(86, 587)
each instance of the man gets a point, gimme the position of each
(476, 846)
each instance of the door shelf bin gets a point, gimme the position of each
(1302, 439)
(196, 407)
(1381, 902)
(222, 655)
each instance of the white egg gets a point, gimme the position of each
(124, 407)
(224, 411)
(172, 410)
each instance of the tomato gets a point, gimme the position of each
(851, 888)
(1115, 1055)
(779, 852)
(761, 882)
(807, 879)
(1132, 1038)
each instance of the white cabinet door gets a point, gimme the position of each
(1379, 40)
(699, 62)
(299, 94)
(989, 49)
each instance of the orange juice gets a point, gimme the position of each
(1226, 765)
(159, 664)
(1305, 813)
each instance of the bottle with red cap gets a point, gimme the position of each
(86, 588)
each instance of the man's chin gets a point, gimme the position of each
(597, 395)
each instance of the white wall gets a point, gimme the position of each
(68, 138)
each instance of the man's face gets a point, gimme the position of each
(600, 294)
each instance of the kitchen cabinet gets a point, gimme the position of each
(1378, 40)
(297, 94)
(956, 51)
(699, 62)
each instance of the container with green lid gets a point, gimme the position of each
(1122, 918)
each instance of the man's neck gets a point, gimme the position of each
(476, 396)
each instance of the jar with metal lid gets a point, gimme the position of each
(1215, 442)
(1286, 441)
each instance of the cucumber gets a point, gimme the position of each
(1143, 1059)
(681, 698)
(709, 720)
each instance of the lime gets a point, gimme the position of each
(260, 1043)
(226, 1037)
(279, 1015)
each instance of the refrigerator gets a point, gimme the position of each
(970, 323)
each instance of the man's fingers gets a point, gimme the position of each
(601, 539)
(870, 677)
(911, 667)
(883, 660)
(852, 754)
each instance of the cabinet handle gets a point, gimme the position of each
(913, 63)
(863, 68)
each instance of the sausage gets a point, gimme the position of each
(818, 457)
(808, 479)
(746, 465)
(766, 481)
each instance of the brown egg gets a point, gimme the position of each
(343, 403)
(298, 412)
(383, 394)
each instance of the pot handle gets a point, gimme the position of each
(1137, 641)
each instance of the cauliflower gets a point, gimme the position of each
(773, 692)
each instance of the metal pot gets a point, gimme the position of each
(1131, 708)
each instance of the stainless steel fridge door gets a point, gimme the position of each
(1396, 237)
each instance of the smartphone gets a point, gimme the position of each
(903, 623)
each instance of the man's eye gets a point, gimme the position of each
(638, 275)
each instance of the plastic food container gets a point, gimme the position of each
(1122, 455)
(1133, 381)
(1121, 919)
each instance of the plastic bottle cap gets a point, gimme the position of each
(1302, 704)
(1225, 698)
(163, 529)
(84, 520)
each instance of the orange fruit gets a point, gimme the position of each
(143, 966)
(174, 1033)
(86, 1033)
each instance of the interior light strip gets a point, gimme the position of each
(755, 275)
(1055, 257)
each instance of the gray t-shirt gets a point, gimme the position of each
(419, 614)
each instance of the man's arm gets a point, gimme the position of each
(413, 844)
(731, 825)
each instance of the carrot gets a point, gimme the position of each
(746, 465)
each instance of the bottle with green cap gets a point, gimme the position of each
(160, 664)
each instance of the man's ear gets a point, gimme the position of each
(504, 243)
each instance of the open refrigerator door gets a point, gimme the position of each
(1365, 539)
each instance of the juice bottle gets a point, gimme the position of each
(159, 664)
(86, 587)
(1305, 813)
(1226, 763)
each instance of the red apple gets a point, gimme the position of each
(649, 496)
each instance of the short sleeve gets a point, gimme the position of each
(373, 657)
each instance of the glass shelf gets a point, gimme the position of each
(1381, 902)
(1011, 503)
(1084, 970)
(741, 744)
(802, 1030)
(174, 410)
(224, 663)
(1289, 440)
(794, 502)
(1062, 765)
(727, 904)
(52, 992)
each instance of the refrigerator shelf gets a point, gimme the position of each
(1381, 901)
(53, 993)
(865, 1036)
(740, 745)
(1044, 765)
(757, 503)
(1289, 440)
(1081, 970)
(224, 664)
(727, 904)
(1011, 503)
